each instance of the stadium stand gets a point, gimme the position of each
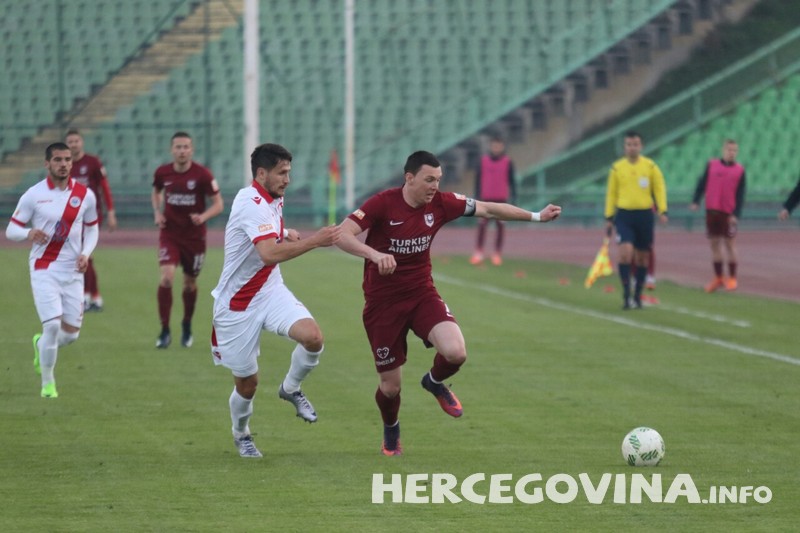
(765, 150)
(754, 101)
(55, 52)
(430, 74)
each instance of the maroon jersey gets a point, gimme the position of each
(407, 233)
(89, 171)
(184, 193)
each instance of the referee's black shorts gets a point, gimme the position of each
(635, 226)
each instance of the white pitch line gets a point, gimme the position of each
(708, 316)
(620, 320)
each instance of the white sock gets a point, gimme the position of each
(48, 349)
(65, 338)
(303, 362)
(241, 409)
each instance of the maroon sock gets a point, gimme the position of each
(481, 232)
(164, 305)
(389, 407)
(732, 269)
(498, 243)
(189, 299)
(90, 280)
(442, 369)
(718, 268)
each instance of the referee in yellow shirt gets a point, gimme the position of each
(634, 183)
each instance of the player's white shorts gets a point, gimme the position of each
(58, 294)
(235, 341)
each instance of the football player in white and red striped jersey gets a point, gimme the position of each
(62, 215)
(251, 295)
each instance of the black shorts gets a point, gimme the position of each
(635, 226)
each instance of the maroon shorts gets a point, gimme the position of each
(388, 324)
(718, 225)
(190, 253)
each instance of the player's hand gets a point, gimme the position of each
(693, 206)
(386, 263)
(38, 236)
(783, 215)
(663, 218)
(83, 264)
(160, 220)
(292, 235)
(112, 220)
(549, 213)
(328, 235)
(609, 228)
(197, 219)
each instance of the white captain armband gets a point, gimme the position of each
(469, 210)
(536, 216)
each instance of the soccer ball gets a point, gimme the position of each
(643, 447)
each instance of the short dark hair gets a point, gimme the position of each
(73, 131)
(416, 161)
(267, 156)
(633, 133)
(180, 135)
(48, 153)
(730, 141)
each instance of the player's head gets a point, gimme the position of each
(497, 146)
(182, 148)
(423, 172)
(58, 161)
(270, 165)
(633, 145)
(74, 140)
(730, 149)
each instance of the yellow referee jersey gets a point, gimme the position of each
(635, 186)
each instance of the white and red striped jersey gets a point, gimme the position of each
(245, 280)
(61, 215)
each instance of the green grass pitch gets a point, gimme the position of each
(139, 439)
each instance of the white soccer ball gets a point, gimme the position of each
(643, 447)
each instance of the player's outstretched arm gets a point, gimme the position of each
(350, 244)
(273, 252)
(512, 212)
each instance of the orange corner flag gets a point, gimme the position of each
(601, 266)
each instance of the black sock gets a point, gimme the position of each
(641, 275)
(625, 277)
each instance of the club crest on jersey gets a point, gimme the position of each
(191, 184)
(429, 219)
(74, 201)
(84, 169)
(382, 353)
(359, 214)
(257, 200)
(60, 232)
